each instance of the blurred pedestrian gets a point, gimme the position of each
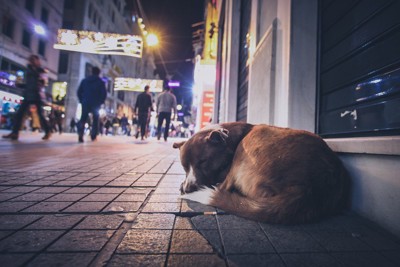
(166, 103)
(72, 125)
(143, 108)
(115, 125)
(107, 125)
(92, 94)
(35, 79)
(124, 123)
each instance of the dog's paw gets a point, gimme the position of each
(203, 196)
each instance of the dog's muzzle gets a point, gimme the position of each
(188, 187)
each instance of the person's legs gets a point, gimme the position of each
(95, 125)
(167, 116)
(19, 116)
(143, 123)
(43, 121)
(159, 125)
(81, 124)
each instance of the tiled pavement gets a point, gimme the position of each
(115, 203)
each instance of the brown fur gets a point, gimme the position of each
(266, 173)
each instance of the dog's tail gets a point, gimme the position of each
(274, 209)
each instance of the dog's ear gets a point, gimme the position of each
(218, 136)
(178, 145)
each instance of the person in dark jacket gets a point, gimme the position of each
(91, 94)
(143, 108)
(35, 80)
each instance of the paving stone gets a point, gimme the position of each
(214, 239)
(86, 207)
(4, 234)
(393, 256)
(95, 183)
(68, 183)
(255, 260)
(81, 190)
(51, 189)
(174, 186)
(21, 189)
(67, 197)
(131, 197)
(340, 241)
(205, 222)
(99, 197)
(56, 222)
(137, 260)
(14, 222)
(184, 223)
(15, 259)
(189, 241)
(234, 222)
(33, 197)
(109, 190)
(145, 241)
(28, 241)
(162, 207)
(63, 259)
(7, 196)
(106, 221)
(311, 260)
(145, 183)
(48, 206)
(191, 206)
(164, 198)
(121, 206)
(166, 190)
(286, 240)
(82, 240)
(198, 260)
(154, 221)
(14, 206)
(246, 241)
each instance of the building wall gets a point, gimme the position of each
(12, 48)
(109, 18)
(283, 90)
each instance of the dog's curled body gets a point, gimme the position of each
(264, 173)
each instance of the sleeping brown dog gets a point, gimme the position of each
(264, 173)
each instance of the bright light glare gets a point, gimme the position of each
(151, 39)
(39, 29)
(179, 107)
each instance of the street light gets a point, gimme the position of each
(39, 29)
(152, 39)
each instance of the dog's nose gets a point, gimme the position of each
(188, 188)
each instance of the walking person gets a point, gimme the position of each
(91, 94)
(166, 103)
(35, 80)
(143, 108)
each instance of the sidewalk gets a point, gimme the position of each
(115, 202)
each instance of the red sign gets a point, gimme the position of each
(207, 108)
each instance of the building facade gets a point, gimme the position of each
(107, 17)
(327, 67)
(27, 27)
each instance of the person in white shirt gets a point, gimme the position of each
(166, 103)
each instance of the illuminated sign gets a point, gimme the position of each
(137, 85)
(174, 84)
(99, 43)
(207, 108)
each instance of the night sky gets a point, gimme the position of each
(172, 21)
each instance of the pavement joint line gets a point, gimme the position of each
(105, 254)
(37, 253)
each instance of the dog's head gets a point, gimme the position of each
(206, 158)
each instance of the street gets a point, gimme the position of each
(115, 202)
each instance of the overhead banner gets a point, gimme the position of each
(99, 43)
(137, 85)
